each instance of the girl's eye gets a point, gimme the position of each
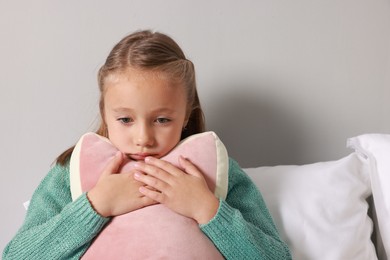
(125, 120)
(162, 120)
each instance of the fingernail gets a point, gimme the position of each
(137, 165)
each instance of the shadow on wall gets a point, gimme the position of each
(256, 131)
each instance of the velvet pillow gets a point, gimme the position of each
(153, 232)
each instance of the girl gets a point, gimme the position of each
(148, 103)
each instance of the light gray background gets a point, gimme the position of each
(281, 82)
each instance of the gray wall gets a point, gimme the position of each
(281, 82)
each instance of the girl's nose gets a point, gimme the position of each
(144, 136)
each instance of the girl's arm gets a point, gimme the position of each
(243, 227)
(55, 227)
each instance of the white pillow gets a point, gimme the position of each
(376, 149)
(320, 209)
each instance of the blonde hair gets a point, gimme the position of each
(146, 50)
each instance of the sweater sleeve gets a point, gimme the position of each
(55, 227)
(243, 227)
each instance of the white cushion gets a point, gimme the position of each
(320, 209)
(376, 149)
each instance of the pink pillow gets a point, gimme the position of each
(152, 232)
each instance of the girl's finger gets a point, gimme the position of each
(189, 167)
(158, 168)
(113, 165)
(151, 181)
(152, 194)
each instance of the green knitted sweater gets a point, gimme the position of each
(57, 228)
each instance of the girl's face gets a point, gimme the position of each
(145, 114)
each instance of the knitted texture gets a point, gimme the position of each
(57, 228)
(243, 227)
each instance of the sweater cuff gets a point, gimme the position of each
(87, 218)
(224, 218)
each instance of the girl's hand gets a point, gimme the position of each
(185, 192)
(115, 194)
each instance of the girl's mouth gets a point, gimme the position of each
(139, 156)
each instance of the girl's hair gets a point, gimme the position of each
(146, 50)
